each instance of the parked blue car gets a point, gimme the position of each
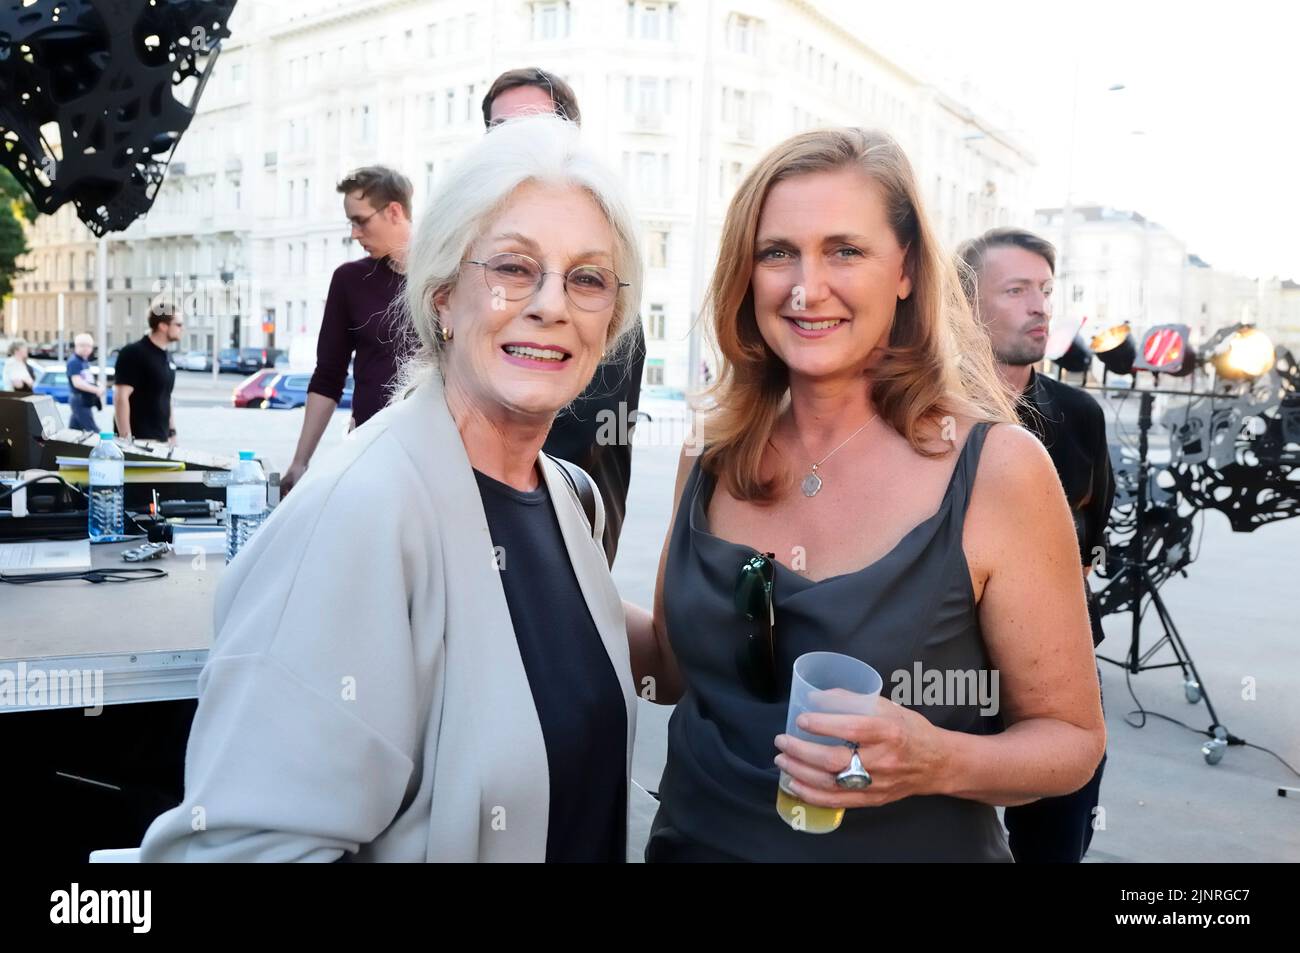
(290, 390)
(55, 384)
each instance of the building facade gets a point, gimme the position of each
(682, 97)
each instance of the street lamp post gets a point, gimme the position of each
(227, 277)
(698, 272)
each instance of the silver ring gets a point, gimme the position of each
(855, 777)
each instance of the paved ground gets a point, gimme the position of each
(1237, 611)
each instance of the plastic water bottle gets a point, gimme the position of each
(107, 495)
(245, 503)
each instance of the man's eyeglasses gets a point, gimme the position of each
(756, 656)
(358, 222)
(516, 277)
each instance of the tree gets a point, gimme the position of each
(15, 207)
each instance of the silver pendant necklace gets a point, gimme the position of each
(812, 483)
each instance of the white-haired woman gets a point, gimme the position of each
(17, 375)
(421, 655)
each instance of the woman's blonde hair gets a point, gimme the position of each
(937, 362)
(543, 149)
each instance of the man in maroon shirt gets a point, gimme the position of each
(358, 319)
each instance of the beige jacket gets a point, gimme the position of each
(365, 697)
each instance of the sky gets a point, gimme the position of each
(1204, 138)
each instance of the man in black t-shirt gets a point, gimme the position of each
(1008, 279)
(143, 380)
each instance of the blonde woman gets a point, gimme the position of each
(861, 438)
(16, 375)
(421, 655)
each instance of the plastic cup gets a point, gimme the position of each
(825, 683)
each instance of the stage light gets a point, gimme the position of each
(1245, 354)
(1165, 350)
(1115, 348)
(1077, 357)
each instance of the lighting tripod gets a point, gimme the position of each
(1138, 568)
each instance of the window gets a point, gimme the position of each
(654, 372)
(657, 248)
(469, 103)
(551, 20)
(431, 40)
(366, 125)
(449, 107)
(737, 106)
(650, 21)
(742, 34)
(647, 97)
(734, 171)
(1076, 293)
(428, 181)
(655, 324)
(653, 176)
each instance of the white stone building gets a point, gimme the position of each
(1121, 267)
(681, 96)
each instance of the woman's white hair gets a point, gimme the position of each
(542, 149)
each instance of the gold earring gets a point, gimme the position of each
(444, 334)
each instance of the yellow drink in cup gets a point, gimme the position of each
(826, 683)
(803, 816)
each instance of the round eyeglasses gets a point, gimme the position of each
(515, 277)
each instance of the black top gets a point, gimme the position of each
(576, 691)
(144, 366)
(595, 432)
(911, 607)
(79, 367)
(1072, 427)
(358, 319)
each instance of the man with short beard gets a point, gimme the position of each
(1008, 280)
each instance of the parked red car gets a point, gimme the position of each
(255, 391)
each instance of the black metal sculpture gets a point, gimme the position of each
(120, 79)
(1235, 449)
